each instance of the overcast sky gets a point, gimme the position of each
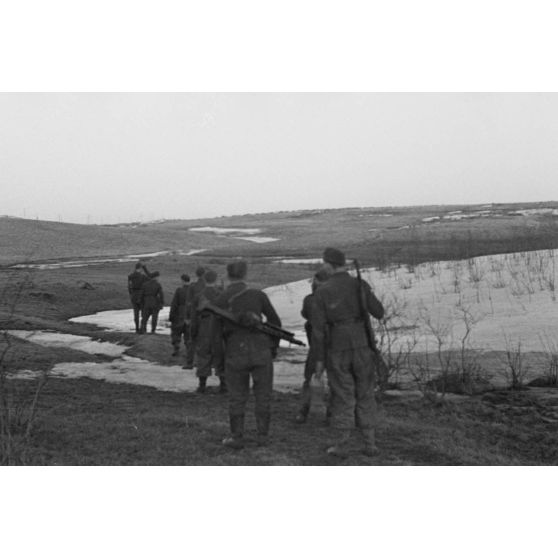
(121, 157)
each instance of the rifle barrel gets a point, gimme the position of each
(265, 327)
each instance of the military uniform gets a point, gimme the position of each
(135, 284)
(349, 359)
(152, 302)
(207, 335)
(195, 290)
(310, 364)
(179, 319)
(248, 353)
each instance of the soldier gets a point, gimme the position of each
(136, 279)
(178, 315)
(320, 277)
(351, 361)
(247, 353)
(206, 332)
(199, 285)
(152, 302)
(195, 290)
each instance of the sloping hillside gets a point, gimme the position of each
(377, 235)
(24, 240)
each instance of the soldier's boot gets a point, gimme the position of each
(341, 446)
(137, 324)
(262, 428)
(153, 325)
(175, 349)
(236, 439)
(202, 381)
(222, 384)
(369, 447)
(302, 414)
(189, 365)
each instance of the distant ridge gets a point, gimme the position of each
(380, 232)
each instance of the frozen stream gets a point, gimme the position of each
(504, 300)
(131, 370)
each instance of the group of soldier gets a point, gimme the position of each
(198, 329)
(337, 314)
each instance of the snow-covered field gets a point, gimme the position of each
(488, 303)
(504, 299)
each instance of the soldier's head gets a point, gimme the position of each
(236, 271)
(185, 278)
(210, 277)
(139, 265)
(334, 259)
(200, 272)
(320, 277)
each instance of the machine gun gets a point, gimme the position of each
(265, 327)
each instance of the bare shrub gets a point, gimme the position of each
(548, 274)
(442, 365)
(550, 349)
(454, 365)
(515, 365)
(18, 407)
(468, 363)
(395, 344)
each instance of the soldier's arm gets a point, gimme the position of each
(129, 285)
(174, 305)
(373, 305)
(269, 312)
(161, 296)
(319, 328)
(305, 310)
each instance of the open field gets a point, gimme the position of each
(425, 268)
(378, 236)
(88, 422)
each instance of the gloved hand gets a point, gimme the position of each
(249, 319)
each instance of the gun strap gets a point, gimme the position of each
(235, 296)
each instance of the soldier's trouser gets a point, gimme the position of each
(209, 354)
(136, 307)
(189, 345)
(237, 374)
(207, 361)
(176, 335)
(309, 368)
(148, 312)
(351, 376)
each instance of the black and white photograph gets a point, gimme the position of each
(283, 273)
(279, 279)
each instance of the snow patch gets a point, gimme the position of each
(119, 320)
(69, 341)
(540, 211)
(136, 371)
(223, 230)
(300, 261)
(257, 239)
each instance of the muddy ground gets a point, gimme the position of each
(84, 421)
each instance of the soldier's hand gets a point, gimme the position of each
(319, 371)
